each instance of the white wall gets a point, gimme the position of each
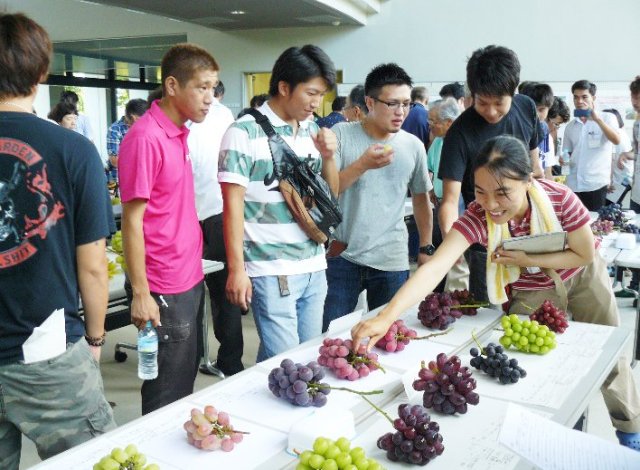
(557, 41)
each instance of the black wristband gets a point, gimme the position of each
(96, 342)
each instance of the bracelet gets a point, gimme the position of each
(96, 342)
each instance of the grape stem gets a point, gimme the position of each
(440, 333)
(316, 386)
(359, 359)
(475, 339)
(478, 305)
(527, 306)
(378, 409)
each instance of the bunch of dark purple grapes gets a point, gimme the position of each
(299, 384)
(471, 305)
(447, 387)
(630, 228)
(493, 361)
(439, 310)
(612, 212)
(416, 440)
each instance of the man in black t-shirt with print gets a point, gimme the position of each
(493, 74)
(53, 224)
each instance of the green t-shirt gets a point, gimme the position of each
(433, 163)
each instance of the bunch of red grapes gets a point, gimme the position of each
(397, 337)
(438, 310)
(550, 315)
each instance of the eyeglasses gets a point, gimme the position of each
(395, 105)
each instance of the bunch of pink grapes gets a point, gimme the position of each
(337, 355)
(211, 430)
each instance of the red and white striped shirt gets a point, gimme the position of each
(570, 212)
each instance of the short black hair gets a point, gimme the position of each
(219, 89)
(454, 90)
(70, 97)
(136, 107)
(493, 71)
(540, 93)
(60, 110)
(559, 108)
(634, 86)
(258, 100)
(299, 65)
(356, 98)
(155, 94)
(525, 87)
(385, 74)
(584, 85)
(339, 103)
(505, 156)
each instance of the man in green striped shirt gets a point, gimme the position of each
(273, 265)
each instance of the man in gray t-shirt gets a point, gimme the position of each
(378, 162)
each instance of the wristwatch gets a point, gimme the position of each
(427, 250)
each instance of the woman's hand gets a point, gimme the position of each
(513, 258)
(374, 329)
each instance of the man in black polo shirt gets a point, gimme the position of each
(493, 74)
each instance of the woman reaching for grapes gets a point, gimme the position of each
(509, 202)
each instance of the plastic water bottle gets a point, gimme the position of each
(148, 352)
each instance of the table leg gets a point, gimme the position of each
(206, 366)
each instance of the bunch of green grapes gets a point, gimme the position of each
(527, 336)
(329, 455)
(112, 269)
(125, 459)
(116, 246)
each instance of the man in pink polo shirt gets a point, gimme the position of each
(160, 229)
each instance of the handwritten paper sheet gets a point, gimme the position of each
(551, 446)
(480, 452)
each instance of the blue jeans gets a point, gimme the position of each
(346, 280)
(284, 321)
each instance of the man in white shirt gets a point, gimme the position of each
(589, 139)
(204, 146)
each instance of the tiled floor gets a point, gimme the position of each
(123, 387)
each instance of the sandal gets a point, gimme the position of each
(629, 439)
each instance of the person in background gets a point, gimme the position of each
(133, 111)
(456, 91)
(417, 122)
(493, 74)
(634, 204)
(160, 229)
(378, 163)
(442, 113)
(254, 103)
(621, 163)
(52, 250)
(155, 94)
(558, 115)
(65, 115)
(218, 93)
(355, 108)
(336, 115)
(505, 195)
(273, 265)
(84, 124)
(542, 96)
(204, 147)
(589, 141)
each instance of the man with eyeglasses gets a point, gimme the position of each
(378, 162)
